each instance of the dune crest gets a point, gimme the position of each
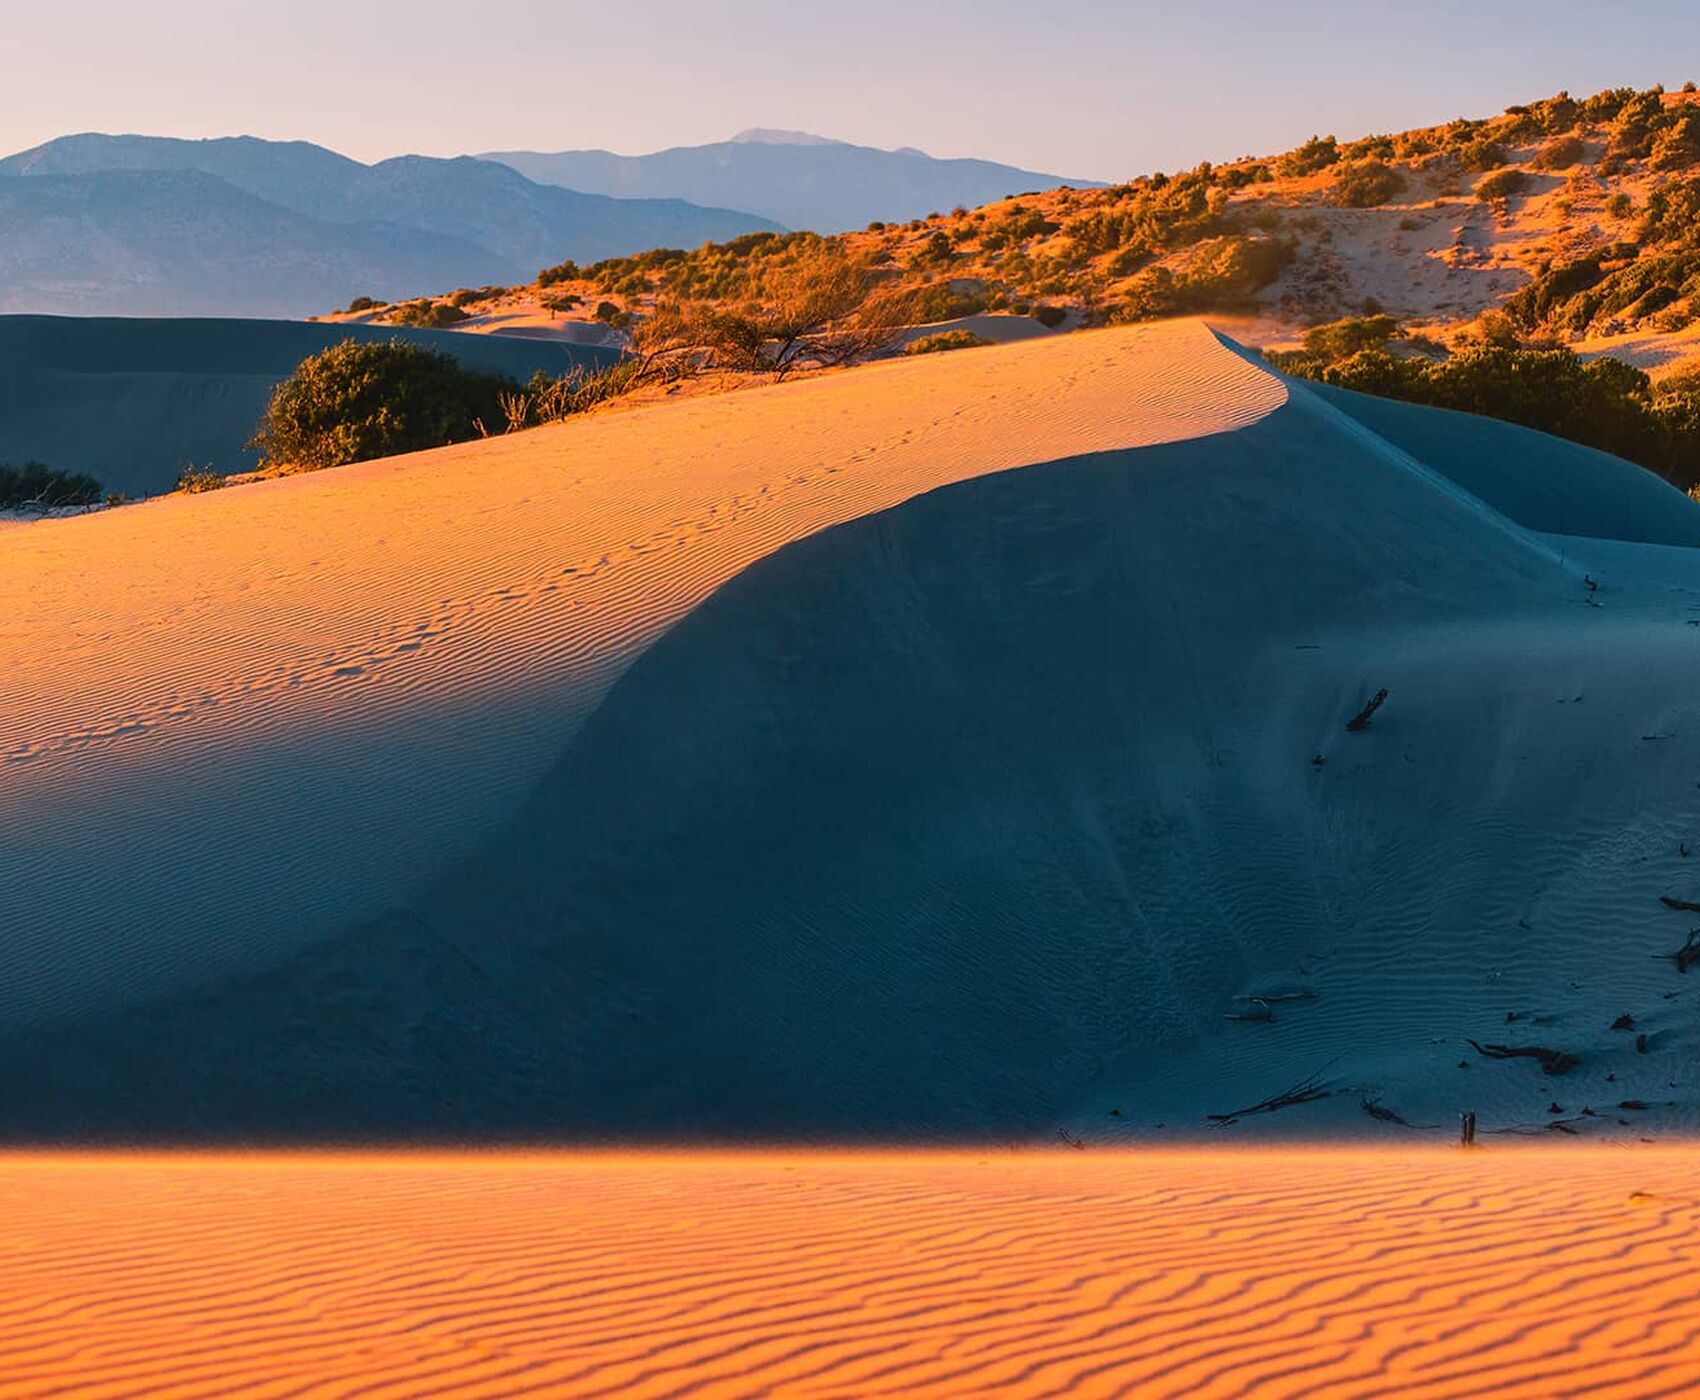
(238, 721)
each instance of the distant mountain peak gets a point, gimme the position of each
(772, 136)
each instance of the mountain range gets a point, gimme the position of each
(238, 226)
(143, 225)
(796, 178)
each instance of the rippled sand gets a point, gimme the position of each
(1271, 1273)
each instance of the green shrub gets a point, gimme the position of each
(1678, 146)
(1502, 184)
(467, 296)
(1366, 183)
(1316, 154)
(1621, 205)
(39, 485)
(193, 480)
(1339, 340)
(363, 304)
(567, 271)
(365, 399)
(1481, 153)
(1560, 153)
(429, 315)
(944, 340)
(1224, 275)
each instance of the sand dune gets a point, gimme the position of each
(786, 763)
(236, 722)
(1275, 1274)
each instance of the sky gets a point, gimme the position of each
(1087, 88)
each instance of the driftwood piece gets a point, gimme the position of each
(1687, 904)
(1467, 1129)
(1551, 1061)
(1360, 721)
(1686, 956)
(1305, 1091)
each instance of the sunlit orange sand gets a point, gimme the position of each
(1274, 1273)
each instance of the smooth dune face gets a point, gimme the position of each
(788, 766)
(240, 721)
(1187, 1274)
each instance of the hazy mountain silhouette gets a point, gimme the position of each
(800, 180)
(239, 226)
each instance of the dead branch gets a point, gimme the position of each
(1305, 1091)
(1360, 721)
(1551, 1061)
(1686, 904)
(1686, 956)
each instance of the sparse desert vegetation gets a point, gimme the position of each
(356, 401)
(37, 486)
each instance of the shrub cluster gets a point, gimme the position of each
(1363, 184)
(944, 340)
(364, 399)
(1501, 184)
(1601, 403)
(1224, 274)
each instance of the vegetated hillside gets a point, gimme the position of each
(1576, 217)
(802, 181)
(143, 225)
(976, 744)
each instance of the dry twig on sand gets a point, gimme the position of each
(1305, 1091)
(1360, 721)
(1686, 956)
(1551, 1061)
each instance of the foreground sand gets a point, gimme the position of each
(1500, 1272)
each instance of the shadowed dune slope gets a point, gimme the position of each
(132, 401)
(785, 764)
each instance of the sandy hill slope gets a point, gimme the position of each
(151, 226)
(131, 402)
(799, 180)
(954, 745)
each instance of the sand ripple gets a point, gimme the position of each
(1270, 1273)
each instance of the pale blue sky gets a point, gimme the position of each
(1076, 87)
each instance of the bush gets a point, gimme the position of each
(1367, 183)
(1049, 316)
(1560, 153)
(567, 271)
(429, 315)
(363, 304)
(944, 340)
(1678, 146)
(365, 399)
(193, 480)
(1316, 154)
(1502, 184)
(1224, 275)
(1481, 153)
(39, 485)
(1339, 340)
